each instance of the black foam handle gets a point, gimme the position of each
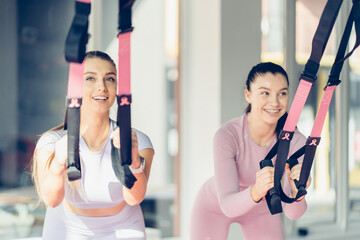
(273, 201)
(122, 171)
(73, 160)
(76, 40)
(266, 163)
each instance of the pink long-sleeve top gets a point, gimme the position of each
(236, 159)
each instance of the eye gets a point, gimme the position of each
(283, 93)
(89, 78)
(265, 93)
(110, 79)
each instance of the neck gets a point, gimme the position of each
(262, 133)
(94, 129)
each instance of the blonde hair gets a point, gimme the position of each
(74, 185)
(34, 165)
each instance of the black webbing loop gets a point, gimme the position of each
(75, 46)
(354, 18)
(121, 159)
(73, 160)
(323, 31)
(283, 150)
(75, 50)
(125, 23)
(311, 68)
(319, 43)
(272, 196)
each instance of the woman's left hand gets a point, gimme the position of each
(293, 174)
(115, 136)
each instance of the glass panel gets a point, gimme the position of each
(321, 195)
(354, 136)
(308, 13)
(272, 25)
(39, 91)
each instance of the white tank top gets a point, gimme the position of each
(99, 186)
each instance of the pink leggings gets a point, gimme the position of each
(209, 223)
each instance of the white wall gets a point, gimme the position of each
(200, 94)
(240, 51)
(217, 52)
(148, 80)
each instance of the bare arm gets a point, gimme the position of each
(136, 194)
(51, 170)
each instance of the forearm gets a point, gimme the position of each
(237, 203)
(136, 194)
(52, 185)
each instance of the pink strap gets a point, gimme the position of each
(124, 64)
(75, 82)
(84, 1)
(297, 105)
(321, 114)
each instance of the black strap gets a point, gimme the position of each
(309, 149)
(321, 37)
(73, 127)
(320, 40)
(353, 19)
(121, 159)
(125, 22)
(75, 46)
(75, 50)
(313, 142)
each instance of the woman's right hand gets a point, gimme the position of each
(264, 181)
(59, 162)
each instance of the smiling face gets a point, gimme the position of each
(268, 96)
(99, 89)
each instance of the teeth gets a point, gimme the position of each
(272, 111)
(100, 98)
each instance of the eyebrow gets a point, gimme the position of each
(109, 73)
(265, 88)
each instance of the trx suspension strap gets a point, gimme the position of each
(307, 79)
(75, 50)
(309, 149)
(333, 81)
(121, 158)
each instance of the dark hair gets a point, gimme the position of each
(101, 55)
(259, 70)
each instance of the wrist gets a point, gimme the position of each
(57, 168)
(256, 197)
(56, 165)
(300, 199)
(138, 168)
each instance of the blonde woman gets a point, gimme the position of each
(97, 206)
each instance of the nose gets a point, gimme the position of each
(101, 87)
(275, 100)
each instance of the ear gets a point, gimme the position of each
(247, 96)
